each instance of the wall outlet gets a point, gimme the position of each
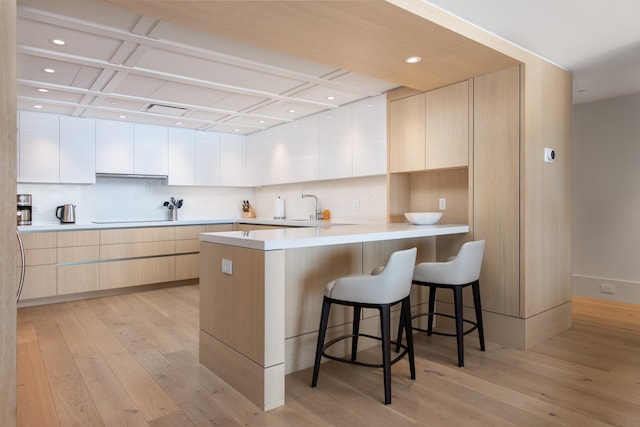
(355, 205)
(607, 288)
(442, 203)
(227, 266)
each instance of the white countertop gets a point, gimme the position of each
(103, 225)
(324, 235)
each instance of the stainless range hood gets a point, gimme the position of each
(129, 175)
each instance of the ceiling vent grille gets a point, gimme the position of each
(166, 110)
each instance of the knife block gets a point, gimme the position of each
(250, 214)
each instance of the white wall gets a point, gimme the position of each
(606, 197)
(339, 196)
(135, 199)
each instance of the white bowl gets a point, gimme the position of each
(423, 218)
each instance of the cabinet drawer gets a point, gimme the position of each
(78, 238)
(135, 235)
(119, 274)
(78, 278)
(78, 254)
(39, 281)
(187, 266)
(185, 246)
(190, 231)
(134, 250)
(38, 257)
(38, 240)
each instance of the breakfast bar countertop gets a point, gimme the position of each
(328, 234)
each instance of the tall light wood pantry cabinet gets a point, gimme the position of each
(488, 163)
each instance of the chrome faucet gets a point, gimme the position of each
(317, 214)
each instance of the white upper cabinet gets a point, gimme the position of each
(207, 161)
(150, 150)
(335, 144)
(125, 148)
(77, 150)
(265, 157)
(182, 156)
(299, 160)
(342, 143)
(231, 160)
(39, 147)
(114, 147)
(369, 127)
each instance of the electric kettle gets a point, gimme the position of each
(66, 214)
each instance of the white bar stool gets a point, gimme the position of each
(455, 274)
(381, 290)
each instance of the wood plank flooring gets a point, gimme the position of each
(131, 360)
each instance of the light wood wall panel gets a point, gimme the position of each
(497, 187)
(546, 203)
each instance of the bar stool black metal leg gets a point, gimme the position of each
(322, 331)
(355, 331)
(476, 302)
(401, 327)
(432, 309)
(385, 326)
(457, 297)
(406, 319)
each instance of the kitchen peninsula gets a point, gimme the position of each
(261, 293)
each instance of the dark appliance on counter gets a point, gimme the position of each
(24, 209)
(66, 214)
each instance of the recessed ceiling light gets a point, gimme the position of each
(413, 60)
(43, 90)
(179, 123)
(58, 42)
(331, 97)
(261, 121)
(236, 130)
(122, 117)
(292, 111)
(37, 106)
(49, 70)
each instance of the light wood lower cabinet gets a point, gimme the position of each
(74, 262)
(135, 272)
(78, 254)
(40, 265)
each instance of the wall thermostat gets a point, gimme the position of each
(549, 155)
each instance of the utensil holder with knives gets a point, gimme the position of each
(247, 210)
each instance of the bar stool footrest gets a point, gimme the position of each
(336, 340)
(447, 334)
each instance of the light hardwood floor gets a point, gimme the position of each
(131, 360)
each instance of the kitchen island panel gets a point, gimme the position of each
(308, 270)
(242, 320)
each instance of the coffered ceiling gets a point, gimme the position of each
(120, 65)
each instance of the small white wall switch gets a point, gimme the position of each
(355, 205)
(607, 288)
(549, 155)
(442, 203)
(227, 266)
